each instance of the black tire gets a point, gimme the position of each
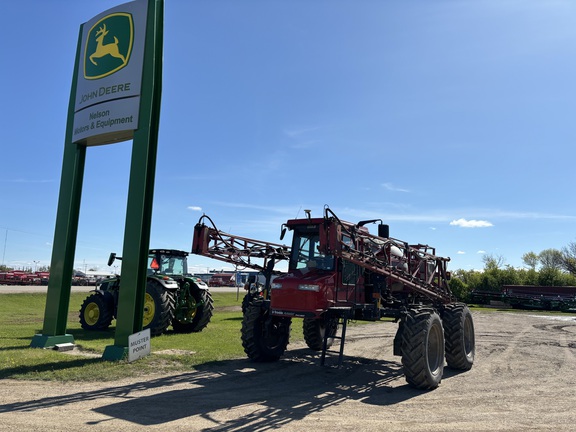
(423, 349)
(459, 336)
(96, 312)
(158, 308)
(264, 337)
(315, 329)
(246, 302)
(193, 312)
(249, 298)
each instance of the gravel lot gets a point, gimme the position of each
(524, 379)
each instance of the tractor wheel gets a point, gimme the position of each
(158, 308)
(459, 336)
(264, 337)
(246, 302)
(96, 313)
(315, 329)
(423, 349)
(196, 312)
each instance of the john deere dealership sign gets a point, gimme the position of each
(116, 92)
(107, 96)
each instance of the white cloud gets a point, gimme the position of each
(303, 138)
(465, 223)
(461, 253)
(391, 187)
(195, 208)
(481, 252)
(296, 132)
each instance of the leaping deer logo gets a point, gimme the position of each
(108, 49)
(109, 44)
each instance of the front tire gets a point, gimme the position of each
(246, 300)
(264, 337)
(96, 313)
(423, 349)
(158, 308)
(195, 312)
(315, 329)
(459, 336)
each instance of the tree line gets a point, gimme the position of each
(550, 267)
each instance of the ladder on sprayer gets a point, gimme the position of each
(342, 314)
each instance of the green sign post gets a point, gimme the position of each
(116, 92)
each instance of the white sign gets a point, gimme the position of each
(138, 345)
(109, 80)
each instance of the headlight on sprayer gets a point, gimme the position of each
(309, 287)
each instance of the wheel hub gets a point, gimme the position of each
(149, 310)
(92, 314)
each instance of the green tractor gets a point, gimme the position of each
(173, 296)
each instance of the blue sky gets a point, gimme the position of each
(452, 120)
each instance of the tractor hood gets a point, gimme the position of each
(166, 281)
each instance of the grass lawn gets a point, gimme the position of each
(22, 316)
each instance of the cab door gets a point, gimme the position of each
(351, 283)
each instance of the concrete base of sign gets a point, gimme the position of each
(44, 341)
(115, 353)
(64, 346)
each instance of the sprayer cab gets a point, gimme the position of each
(317, 277)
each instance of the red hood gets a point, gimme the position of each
(313, 276)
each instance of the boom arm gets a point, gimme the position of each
(209, 241)
(416, 267)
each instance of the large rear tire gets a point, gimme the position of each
(158, 308)
(423, 349)
(195, 311)
(96, 313)
(264, 337)
(459, 336)
(315, 329)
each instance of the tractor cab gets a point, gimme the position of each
(172, 263)
(168, 262)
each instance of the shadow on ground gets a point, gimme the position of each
(270, 395)
(276, 393)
